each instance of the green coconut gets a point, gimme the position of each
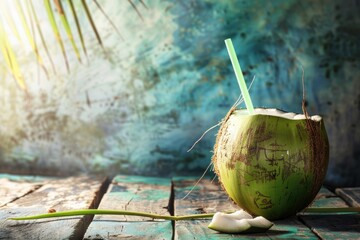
(271, 163)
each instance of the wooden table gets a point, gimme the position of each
(28, 195)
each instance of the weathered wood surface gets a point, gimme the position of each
(13, 187)
(132, 193)
(350, 195)
(208, 197)
(333, 226)
(21, 196)
(59, 194)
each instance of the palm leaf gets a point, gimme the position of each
(56, 31)
(66, 25)
(136, 9)
(142, 2)
(32, 13)
(30, 24)
(11, 23)
(30, 35)
(107, 17)
(10, 59)
(28, 32)
(36, 50)
(78, 26)
(93, 26)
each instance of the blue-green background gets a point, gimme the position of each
(137, 105)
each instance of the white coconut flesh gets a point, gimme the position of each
(241, 214)
(238, 222)
(278, 113)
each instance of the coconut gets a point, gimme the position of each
(239, 222)
(271, 163)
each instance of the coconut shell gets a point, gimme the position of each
(271, 166)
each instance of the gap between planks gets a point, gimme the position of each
(95, 204)
(171, 207)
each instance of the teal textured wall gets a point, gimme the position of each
(140, 104)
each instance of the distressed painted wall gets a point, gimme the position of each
(139, 104)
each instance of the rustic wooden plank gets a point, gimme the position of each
(60, 194)
(293, 228)
(289, 228)
(332, 226)
(112, 229)
(133, 193)
(209, 197)
(206, 197)
(350, 195)
(325, 193)
(14, 187)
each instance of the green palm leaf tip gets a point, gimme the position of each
(36, 49)
(136, 9)
(56, 31)
(10, 59)
(142, 2)
(107, 17)
(70, 2)
(93, 26)
(11, 23)
(37, 24)
(66, 25)
(30, 35)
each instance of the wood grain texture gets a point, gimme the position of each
(133, 193)
(14, 187)
(209, 197)
(350, 195)
(206, 197)
(285, 229)
(60, 194)
(333, 226)
(153, 195)
(324, 193)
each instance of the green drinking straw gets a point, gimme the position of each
(239, 75)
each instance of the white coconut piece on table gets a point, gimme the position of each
(226, 224)
(240, 214)
(260, 222)
(238, 222)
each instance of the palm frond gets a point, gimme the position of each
(107, 17)
(10, 59)
(78, 26)
(32, 13)
(28, 33)
(92, 23)
(35, 47)
(11, 23)
(56, 31)
(142, 2)
(67, 28)
(26, 25)
(136, 10)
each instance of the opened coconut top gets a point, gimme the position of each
(279, 113)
